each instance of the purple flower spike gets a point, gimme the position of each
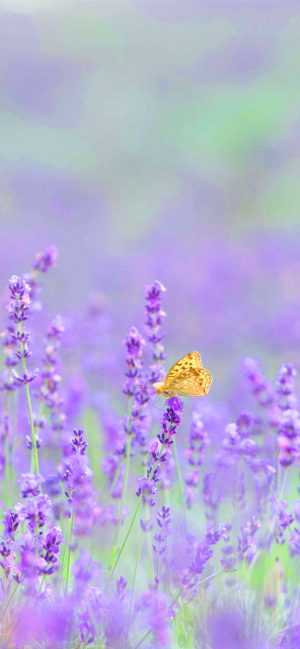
(137, 388)
(30, 485)
(50, 550)
(46, 259)
(159, 452)
(79, 443)
(11, 523)
(259, 386)
(163, 520)
(134, 344)
(289, 437)
(285, 387)
(154, 320)
(15, 339)
(77, 478)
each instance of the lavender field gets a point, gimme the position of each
(149, 208)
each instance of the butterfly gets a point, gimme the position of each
(187, 378)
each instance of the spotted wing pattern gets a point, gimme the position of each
(192, 383)
(187, 377)
(191, 361)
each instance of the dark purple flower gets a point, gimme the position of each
(50, 550)
(159, 451)
(11, 523)
(79, 443)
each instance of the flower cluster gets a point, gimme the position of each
(50, 381)
(234, 522)
(202, 552)
(159, 451)
(77, 479)
(30, 545)
(134, 344)
(16, 339)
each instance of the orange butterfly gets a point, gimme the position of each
(187, 378)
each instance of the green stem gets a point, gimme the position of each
(9, 599)
(150, 546)
(125, 487)
(67, 555)
(136, 566)
(115, 480)
(127, 471)
(143, 638)
(146, 635)
(202, 581)
(123, 544)
(35, 466)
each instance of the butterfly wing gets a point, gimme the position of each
(193, 383)
(191, 361)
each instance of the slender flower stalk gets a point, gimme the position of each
(126, 537)
(49, 388)
(154, 335)
(81, 511)
(68, 552)
(16, 339)
(159, 452)
(18, 309)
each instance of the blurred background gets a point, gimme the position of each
(158, 139)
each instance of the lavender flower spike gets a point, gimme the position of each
(154, 320)
(159, 451)
(46, 259)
